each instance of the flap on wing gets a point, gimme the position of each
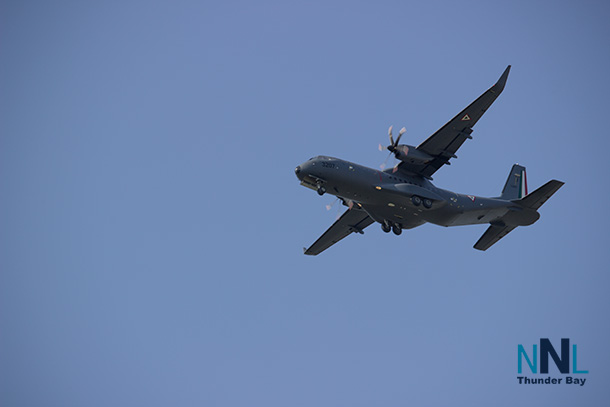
(353, 220)
(491, 236)
(448, 139)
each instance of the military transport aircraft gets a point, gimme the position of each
(403, 197)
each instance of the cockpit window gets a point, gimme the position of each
(321, 158)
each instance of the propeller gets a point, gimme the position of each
(330, 205)
(392, 147)
(347, 202)
(394, 144)
(383, 165)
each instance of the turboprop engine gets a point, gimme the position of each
(404, 152)
(410, 154)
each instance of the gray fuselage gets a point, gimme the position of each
(388, 197)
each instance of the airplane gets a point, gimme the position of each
(403, 197)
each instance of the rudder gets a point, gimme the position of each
(516, 184)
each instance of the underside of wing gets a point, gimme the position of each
(353, 220)
(443, 144)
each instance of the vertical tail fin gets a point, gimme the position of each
(516, 184)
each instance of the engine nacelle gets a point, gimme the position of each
(411, 155)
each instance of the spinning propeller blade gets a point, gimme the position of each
(392, 147)
(402, 131)
(383, 165)
(330, 205)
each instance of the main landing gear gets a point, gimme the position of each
(387, 226)
(416, 200)
(321, 190)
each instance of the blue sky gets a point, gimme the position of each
(152, 225)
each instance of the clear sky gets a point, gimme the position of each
(151, 225)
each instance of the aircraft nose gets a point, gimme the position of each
(297, 171)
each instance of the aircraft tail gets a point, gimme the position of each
(516, 184)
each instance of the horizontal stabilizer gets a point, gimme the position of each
(492, 235)
(541, 195)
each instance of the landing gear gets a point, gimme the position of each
(321, 190)
(386, 226)
(416, 200)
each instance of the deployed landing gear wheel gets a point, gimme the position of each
(397, 230)
(321, 191)
(416, 200)
(427, 203)
(386, 227)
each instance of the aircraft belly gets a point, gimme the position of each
(352, 192)
(356, 188)
(401, 215)
(479, 216)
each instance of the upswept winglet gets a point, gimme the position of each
(499, 86)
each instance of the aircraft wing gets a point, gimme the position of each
(353, 220)
(443, 144)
